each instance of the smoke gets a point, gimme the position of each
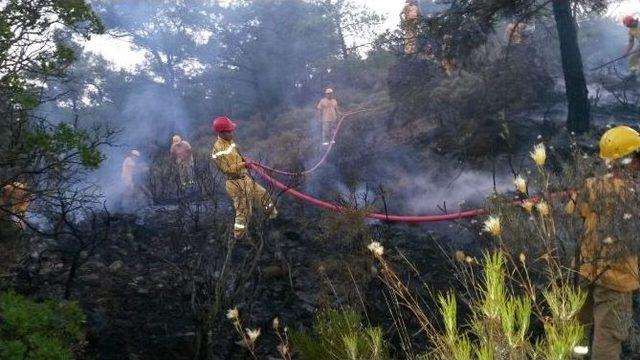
(150, 106)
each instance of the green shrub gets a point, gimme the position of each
(340, 335)
(39, 331)
(501, 320)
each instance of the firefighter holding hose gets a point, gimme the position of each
(243, 190)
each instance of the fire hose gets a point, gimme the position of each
(415, 219)
(261, 170)
(384, 217)
(324, 156)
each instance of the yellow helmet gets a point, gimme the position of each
(619, 142)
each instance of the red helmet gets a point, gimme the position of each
(223, 123)
(628, 21)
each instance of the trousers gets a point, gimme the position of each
(246, 194)
(608, 313)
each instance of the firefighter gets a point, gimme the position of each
(515, 33)
(328, 108)
(448, 62)
(129, 170)
(244, 192)
(182, 155)
(15, 200)
(609, 267)
(634, 35)
(409, 23)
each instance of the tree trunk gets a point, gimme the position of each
(71, 276)
(343, 43)
(579, 116)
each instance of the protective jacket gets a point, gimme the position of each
(599, 261)
(15, 198)
(128, 172)
(229, 161)
(634, 59)
(328, 109)
(182, 152)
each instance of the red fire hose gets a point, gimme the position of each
(384, 217)
(260, 170)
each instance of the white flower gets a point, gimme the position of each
(521, 184)
(523, 258)
(376, 248)
(232, 314)
(492, 225)
(627, 216)
(539, 137)
(252, 334)
(539, 154)
(608, 240)
(460, 256)
(275, 323)
(626, 161)
(581, 350)
(543, 208)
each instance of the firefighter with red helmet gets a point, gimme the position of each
(242, 189)
(634, 35)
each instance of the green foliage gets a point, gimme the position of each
(39, 331)
(78, 11)
(501, 319)
(63, 140)
(49, 26)
(340, 335)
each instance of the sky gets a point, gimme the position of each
(124, 55)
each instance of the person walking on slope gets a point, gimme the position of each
(242, 189)
(182, 155)
(634, 35)
(328, 108)
(607, 261)
(409, 23)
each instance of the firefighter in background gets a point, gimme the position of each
(129, 170)
(328, 108)
(448, 64)
(182, 155)
(133, 175)
(15, 201)
(515, 33)
(244, 192)
(409, 23)
(634, 35)
(610, 267)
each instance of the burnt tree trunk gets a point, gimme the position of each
(579, 116)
